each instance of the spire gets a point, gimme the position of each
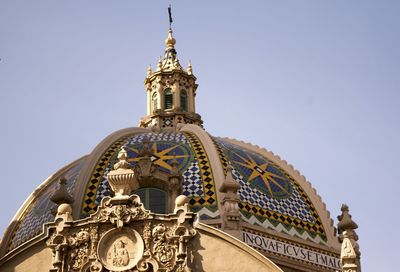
(170, 60)
(171, 90)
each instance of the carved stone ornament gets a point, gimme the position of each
(350, 252)
(120, 249)
(120, 212)
(122, 179)
(230, 202)
(123, 236)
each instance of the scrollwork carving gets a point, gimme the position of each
(79, 249)
(94, 238)
(164, 249)
(123, 236)
(121, 214)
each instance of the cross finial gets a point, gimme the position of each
(170, 16)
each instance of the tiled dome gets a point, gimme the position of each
(270, 196)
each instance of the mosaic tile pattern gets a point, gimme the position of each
(192, 182)
(167, 122)
(40, 211)
(294, 206)
(210, 197)
(157, 137)
(192, 159)
(89, 202)
(269, 193)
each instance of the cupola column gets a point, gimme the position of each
(160, 97)
(149, 105)
(176, 92)
(191, 100)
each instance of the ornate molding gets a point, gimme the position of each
(123, 236)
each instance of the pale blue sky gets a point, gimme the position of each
(316, 82)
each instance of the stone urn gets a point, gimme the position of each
(122, 179)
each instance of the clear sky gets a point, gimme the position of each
(316, 82)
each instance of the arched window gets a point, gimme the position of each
(153, 199)
(184, 99)
(154, 100)
(168, 99)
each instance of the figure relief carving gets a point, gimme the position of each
(147, 237)
(120, 254)
(120, 249)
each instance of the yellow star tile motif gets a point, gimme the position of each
(261, 171)
(160, 158)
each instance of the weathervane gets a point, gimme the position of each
(170, 16)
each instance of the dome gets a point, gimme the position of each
(243, 190)
(272, 194)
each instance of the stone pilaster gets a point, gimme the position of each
(230, 204)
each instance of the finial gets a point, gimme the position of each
(122, 160)
(345, 221)
(159, 64)
(182, 203)
(63, 199)
(177, 64)
(170, 41)
(149, 71)
(350, 251)
(61, 195)
(190, 68)
(229, 184)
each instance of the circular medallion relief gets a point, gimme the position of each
(120, 249)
